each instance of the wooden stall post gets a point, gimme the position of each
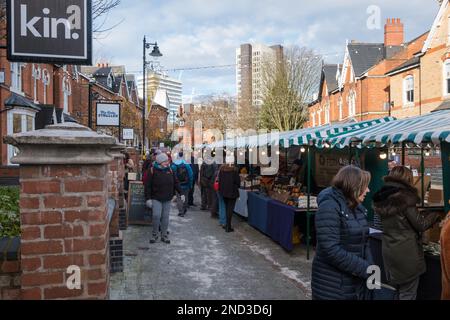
(422, 173)
(308, 211)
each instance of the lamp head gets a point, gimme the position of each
(155, 52)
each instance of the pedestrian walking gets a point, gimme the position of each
(229, 184)
(221, 202)
(207, 171)
(195, 172)
(403, 225)
(445, 258)
(185, 178)
(339, 270)
(161, 187)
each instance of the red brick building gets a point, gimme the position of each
(158, 124)
(422, 84)
(359, 89)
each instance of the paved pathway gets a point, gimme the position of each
(205, 263)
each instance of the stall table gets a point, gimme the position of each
(241, 207)
(258, 211)
(276, 219)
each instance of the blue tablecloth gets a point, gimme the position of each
(241, 207)
(280, 223)
(258, 211)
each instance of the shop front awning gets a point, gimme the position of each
(300, 137)
(430, 128)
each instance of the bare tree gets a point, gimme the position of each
(288, 87)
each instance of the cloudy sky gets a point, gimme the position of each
(200, 33)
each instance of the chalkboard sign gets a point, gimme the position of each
(138, 213)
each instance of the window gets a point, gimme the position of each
(19, 120)
(16, 77)
(67, 91)
(408, 90)
(340, 106)
(327, 114)
(351, 104)
(109, 82)
(319, 114)
(447, 77)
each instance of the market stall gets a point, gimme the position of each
(283, 208)
(418, 139)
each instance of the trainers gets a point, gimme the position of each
(154, 239)
(165, 240)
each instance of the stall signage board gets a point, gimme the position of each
(50, 31)
(128, 134)
(108, 114)
(138, 214)
(328, 164)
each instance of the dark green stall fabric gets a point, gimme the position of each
(378, 169)
(445, 153)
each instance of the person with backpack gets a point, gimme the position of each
(159, 190)
(185, 176)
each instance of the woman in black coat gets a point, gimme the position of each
(396, 204)
(339, 270)
(229, 183)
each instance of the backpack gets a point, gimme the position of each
(182, 174)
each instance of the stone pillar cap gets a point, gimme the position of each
(67, 143)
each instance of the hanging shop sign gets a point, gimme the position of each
(128, 134)
(108, 114)
(50, 31)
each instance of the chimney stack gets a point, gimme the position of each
(393, 32)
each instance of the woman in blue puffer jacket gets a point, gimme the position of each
(339, 270)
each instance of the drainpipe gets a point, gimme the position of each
(420, 86)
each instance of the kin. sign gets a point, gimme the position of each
(108, 114)
(50, 31)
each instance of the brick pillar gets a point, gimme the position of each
(116, 186)
(63, 207)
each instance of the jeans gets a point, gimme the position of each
(229, 204)
(161, 213)
(408, 291)
(204, 193)
(191, 196)
(182, 205)
(222, 210)
(213, 201)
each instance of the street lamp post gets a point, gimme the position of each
(156, 54)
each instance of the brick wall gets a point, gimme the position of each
(64, 223)
(10, 280)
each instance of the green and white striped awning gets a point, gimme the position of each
(301, 137)
(429, 128)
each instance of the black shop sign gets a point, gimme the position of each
(50, 31)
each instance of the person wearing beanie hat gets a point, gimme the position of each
(160, 188)
(185, 176)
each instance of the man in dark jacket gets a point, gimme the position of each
(403, 225)
(207, 176)
(161, 187)
(229, 183)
